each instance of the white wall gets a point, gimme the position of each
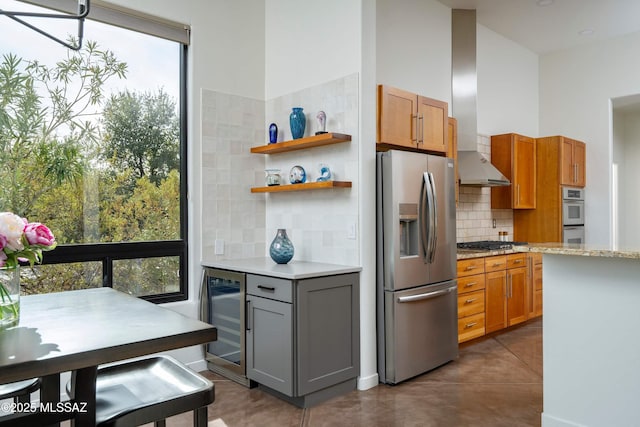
(308, 43)
(413, 47)
(627, 154)
(507, 86)
(576, 86)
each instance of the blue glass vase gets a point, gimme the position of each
(281, 249)
(297, 121)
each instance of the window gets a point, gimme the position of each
(93, 144)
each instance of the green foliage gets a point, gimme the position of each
(141, 134)
(94, 169)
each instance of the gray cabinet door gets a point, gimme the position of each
(328, 332)
(270, 343)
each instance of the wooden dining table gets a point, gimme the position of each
(76, 331)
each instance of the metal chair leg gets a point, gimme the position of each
(200, 417)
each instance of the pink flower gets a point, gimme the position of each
(12, 227)
(39, 234)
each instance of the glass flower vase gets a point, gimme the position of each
(298, 122)
(9, 296)
(281, 249)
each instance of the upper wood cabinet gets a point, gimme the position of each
(572, 158)
(411, 121)
(515, 156)
(452, 152)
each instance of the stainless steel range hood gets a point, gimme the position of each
(473, 168)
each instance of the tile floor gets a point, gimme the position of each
(496, 381)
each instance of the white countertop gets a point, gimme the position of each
(293, 270)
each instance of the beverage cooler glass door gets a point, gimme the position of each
(223, 305)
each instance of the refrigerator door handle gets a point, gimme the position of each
(433, 227)
(428, 295)
(423, 214)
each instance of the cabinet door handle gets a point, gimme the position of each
(266, 288)
(247, 315)
(470, 267)
(470, 325)
(517, 194)
(470, 300)
(421, 129)
(470, 284)
(415, 127)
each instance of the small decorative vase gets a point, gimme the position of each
(273, 133)
(281, 249)
(297, 175)
(273, 177)
(298, 121)
(9, 296)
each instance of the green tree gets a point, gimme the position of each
(142, 134)
(46, 129)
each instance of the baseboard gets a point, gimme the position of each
(365, 383)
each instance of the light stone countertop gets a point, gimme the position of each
(602, 251)
(477, 253)
(294, 270)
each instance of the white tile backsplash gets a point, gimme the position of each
(475, 217)
(231, 125)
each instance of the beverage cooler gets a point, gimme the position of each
(223, 305)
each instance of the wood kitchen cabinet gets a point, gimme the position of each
(302, 336)
(471, 299)
(534, 291)
(559, 161)
(452, 152)
(515, 156)
(408, 120)
(572, 162)
(506, 292)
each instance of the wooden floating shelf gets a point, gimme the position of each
(302, 187)
(302, 143)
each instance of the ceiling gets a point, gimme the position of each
(557, 25)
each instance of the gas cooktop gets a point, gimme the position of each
(489, 245)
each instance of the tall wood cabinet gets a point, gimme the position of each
(559, 161)
(408, 120)
(515, 156)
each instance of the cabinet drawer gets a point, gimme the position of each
(270, 287)
(495, 263)
(470, 327)
(516, 260)
(470, 303)
(470, 283)
(468, 267)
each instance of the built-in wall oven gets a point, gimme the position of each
(222, 299)
(573, 215)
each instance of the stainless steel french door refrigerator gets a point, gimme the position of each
(416, 264)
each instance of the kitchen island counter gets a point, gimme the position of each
(605, 251)
(590, 329)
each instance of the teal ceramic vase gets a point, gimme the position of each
(281, 249)
(297, 121)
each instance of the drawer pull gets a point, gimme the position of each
(470, 325)
(470, 300)
(497, 264)
(470, 267)
(470, 284)
(266, 288)
(517, 261)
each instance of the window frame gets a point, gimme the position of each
(109, 252)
